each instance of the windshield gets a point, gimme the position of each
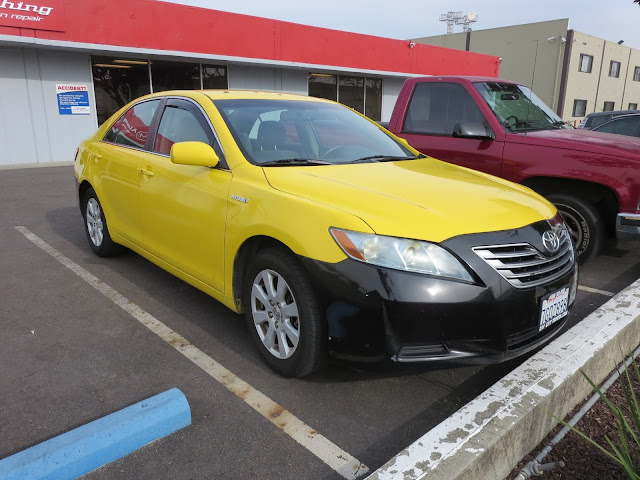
(292, 132)
(517, 107)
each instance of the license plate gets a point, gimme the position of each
(554, 307)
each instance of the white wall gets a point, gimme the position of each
(31, 129)
(390, 90)
(270, 79)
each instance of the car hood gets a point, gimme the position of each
(582, 140)
(422, 199)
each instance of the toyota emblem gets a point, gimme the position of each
(551, 241)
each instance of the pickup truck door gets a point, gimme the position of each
(433, 111)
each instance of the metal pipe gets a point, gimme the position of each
(534, 467)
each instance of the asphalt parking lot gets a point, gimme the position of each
(70, 355)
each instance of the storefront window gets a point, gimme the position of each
(323, 85)
(175, 76)
(362, 94)
(373, 102)
(117, 82)
(351, 92)
(214, 76)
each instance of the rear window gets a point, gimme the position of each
(597, 120)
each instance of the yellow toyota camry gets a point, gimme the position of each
(330, 234)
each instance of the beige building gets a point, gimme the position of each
(572, 72)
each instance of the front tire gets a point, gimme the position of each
(584, 223)
(96, 227)
(283, 315)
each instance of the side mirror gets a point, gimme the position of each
(473, 130)
(194, 153)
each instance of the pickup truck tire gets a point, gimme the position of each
(584, 222)
(96, 227)
(283, 314)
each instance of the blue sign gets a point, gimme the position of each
(73, 99)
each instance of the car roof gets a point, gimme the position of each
(232, 94)
(612, 112)
(618, 118)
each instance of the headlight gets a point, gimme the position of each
(400, 254)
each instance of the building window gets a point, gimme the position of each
(614, 69)
(579, 108)
(608, 106)
(373, 99)
(323, 85)
(633, 106)
(586, 62)
(351, 92)
(116, 82)
(636, 74)
(360, 93)
(175, 76)
(215, 76)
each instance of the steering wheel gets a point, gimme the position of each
(330, 153)
(511, 117)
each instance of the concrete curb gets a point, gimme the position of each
(17, 166)
(82, 450)
(487, 437)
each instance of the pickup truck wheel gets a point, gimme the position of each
(584, 223)
(96, 227)
(283, 315)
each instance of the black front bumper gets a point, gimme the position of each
(376, 313)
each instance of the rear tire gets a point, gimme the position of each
(584, 222)
(283, 315)
(96, 227)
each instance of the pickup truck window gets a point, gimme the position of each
(517, 108)
(436, 108)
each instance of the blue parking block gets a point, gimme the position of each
(79, 451)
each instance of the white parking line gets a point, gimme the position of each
(595, 290)
(336, 458)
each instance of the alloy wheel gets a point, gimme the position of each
(275, 314)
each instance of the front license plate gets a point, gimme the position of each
(554, 307)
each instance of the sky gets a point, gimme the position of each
(611, 20)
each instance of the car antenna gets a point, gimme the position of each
(533, 76)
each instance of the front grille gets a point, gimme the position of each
(523, 266)
(519, 340)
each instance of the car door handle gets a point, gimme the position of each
(148, 173)
(96, 157)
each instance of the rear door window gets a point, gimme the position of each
(132, 128)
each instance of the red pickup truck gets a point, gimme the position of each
(503, 128)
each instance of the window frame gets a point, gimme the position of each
(617, 72)
(151, 124)
(365, 89)
(201, 117)
(583, 56)
(413, 131)
(575, 104)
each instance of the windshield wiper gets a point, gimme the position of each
(383, 158)
(293, 161)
